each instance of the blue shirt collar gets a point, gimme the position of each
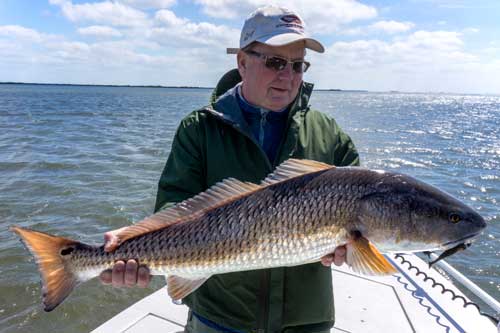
(248, 107)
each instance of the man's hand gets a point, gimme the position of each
(337, 257)
(128, 274)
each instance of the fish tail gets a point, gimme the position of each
(51, 254)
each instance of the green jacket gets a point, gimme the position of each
(214, 143)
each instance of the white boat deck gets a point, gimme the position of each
(399, 303)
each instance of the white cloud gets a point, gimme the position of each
(164, 28)
(392, 27)
(451, 4)
(470, 30)
(168, 18)
(388, 27)
(171, 29)
(22, 33)
(422, 61)
(107, 12)
(321, 16)
(12, 52)
(153, 48)
(167, 52)
(99, 31)
(435, 40)
(159, 47)
(354, 31)
(149, 4)
(326, 16)
(67, 52)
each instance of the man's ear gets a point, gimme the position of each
(241, 60)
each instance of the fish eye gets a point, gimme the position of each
(454, 218)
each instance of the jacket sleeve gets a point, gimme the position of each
(346, 153)
(182, 176)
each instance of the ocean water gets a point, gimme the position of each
(78, 161)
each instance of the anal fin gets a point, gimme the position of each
(179, 287)
(363, 257)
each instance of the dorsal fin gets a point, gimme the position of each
(226, 190)
(293, 168)
(220, 193)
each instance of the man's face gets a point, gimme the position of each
(266, 87)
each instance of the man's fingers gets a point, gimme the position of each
(130, 278)
(143, 277)
(340, 250)
(117, 276)
(339, 255)
(327, 260)
(110, 239)
(127, 274)
(105, 277)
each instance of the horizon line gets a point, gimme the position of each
(206, 88)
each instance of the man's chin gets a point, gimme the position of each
(277, 107)
(278, 103)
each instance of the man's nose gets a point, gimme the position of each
(286, 73)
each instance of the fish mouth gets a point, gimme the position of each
(453, 247)
(464, 240)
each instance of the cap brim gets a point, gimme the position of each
(232, 50)
(289, 38)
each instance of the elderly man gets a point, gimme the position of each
(248, 129)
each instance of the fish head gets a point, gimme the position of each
(403, 214)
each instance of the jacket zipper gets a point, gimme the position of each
(265, 280)
(263, 121)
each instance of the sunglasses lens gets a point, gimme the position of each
(299, 66)
(276, 63)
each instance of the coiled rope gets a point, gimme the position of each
(445, 290)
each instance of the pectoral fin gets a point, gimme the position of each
(363, 257)
(179, 287)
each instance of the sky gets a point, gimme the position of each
(375, 45)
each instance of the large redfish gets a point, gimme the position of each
(298, 214)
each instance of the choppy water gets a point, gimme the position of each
(78, 161)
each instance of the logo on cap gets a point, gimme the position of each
(292, 22)
(248, 34)
(291, 18)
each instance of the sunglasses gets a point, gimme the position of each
(277, 63)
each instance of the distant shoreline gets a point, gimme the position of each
(102, 85)
(143, 86)
(212, 88)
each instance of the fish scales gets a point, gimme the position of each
(299, 214)
(248, 233)
(219, 238)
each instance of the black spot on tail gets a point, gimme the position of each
(66, 251)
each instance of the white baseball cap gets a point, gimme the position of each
(275, 26)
